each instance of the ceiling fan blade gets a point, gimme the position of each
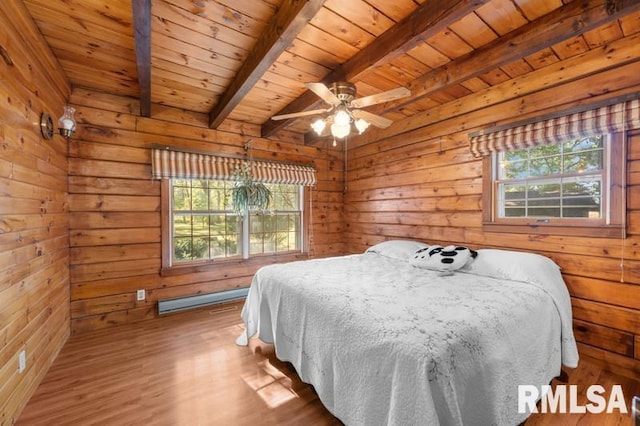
(323, 93)
(374, 119)
(301, 114)
(378, 98)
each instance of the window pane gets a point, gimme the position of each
(232, 225)
(585, 187)
(216, 199)
(543, 212)
(518, 154)
(581, 162)
(218, 231)
(515, 170)
(182, 248)
(544, 190)
(282, 222)
(576, 145)
(200, 225)
(256, 225)
(200, 248)
(282, 241)
(582, 207)
(182, 225)
(544, 202)
(285, 197)
(232, 245)
(514, 192)
(545, 166)
(295, 242)
(515, 209)
(181, 198)
(199, 199)
(294, 223)
(255, 246)
(541, 151)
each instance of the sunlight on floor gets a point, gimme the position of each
(270, 384)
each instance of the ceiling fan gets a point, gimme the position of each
(341, 97)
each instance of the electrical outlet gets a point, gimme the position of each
(141, 295)
(22, 361)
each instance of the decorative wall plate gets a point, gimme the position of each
(46, 125)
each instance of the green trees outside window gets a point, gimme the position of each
(206, 226)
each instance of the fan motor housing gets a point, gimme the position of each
(343, 90)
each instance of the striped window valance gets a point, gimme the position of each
(167, 164)
(606, 119)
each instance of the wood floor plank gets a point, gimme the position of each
(185, 369)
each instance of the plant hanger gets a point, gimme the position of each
(247, 194)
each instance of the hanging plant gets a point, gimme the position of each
(247, 194)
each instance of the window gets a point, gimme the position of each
(204, 226)
(563, 180)
(567, 187)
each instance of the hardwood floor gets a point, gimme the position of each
(185, 369)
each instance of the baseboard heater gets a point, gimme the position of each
(168, 306)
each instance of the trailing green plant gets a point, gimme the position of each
(247, 194)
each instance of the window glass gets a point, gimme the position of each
(279, 231)
(205, 227)
(562, 180)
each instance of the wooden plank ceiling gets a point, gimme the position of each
(247, 60)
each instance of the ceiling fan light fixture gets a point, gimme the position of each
(342, 118)
(345, 111)
(318, 126)
(340, 130)
(361, 125)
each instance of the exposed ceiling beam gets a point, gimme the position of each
(142, 34)
(568, 21)
(289, 20)
(428, 19)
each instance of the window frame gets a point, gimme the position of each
(612, 192)
(170, 268)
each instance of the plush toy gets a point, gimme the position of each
(444, 259)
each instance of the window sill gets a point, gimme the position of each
(217, 265)
(594, 231)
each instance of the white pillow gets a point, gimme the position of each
(397, 249)
(444, 259)
(514, 265)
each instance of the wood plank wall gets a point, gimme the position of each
(417, 180)
(115, 234)
(34, 218)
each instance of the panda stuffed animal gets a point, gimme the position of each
(444, 259)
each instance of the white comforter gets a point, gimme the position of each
(386, 343)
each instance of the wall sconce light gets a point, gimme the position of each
(66, 123)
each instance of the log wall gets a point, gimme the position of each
(115, 234)
(418, 180)
(34, 218)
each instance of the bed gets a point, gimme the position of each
(386, 342)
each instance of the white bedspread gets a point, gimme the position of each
(386, 343)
